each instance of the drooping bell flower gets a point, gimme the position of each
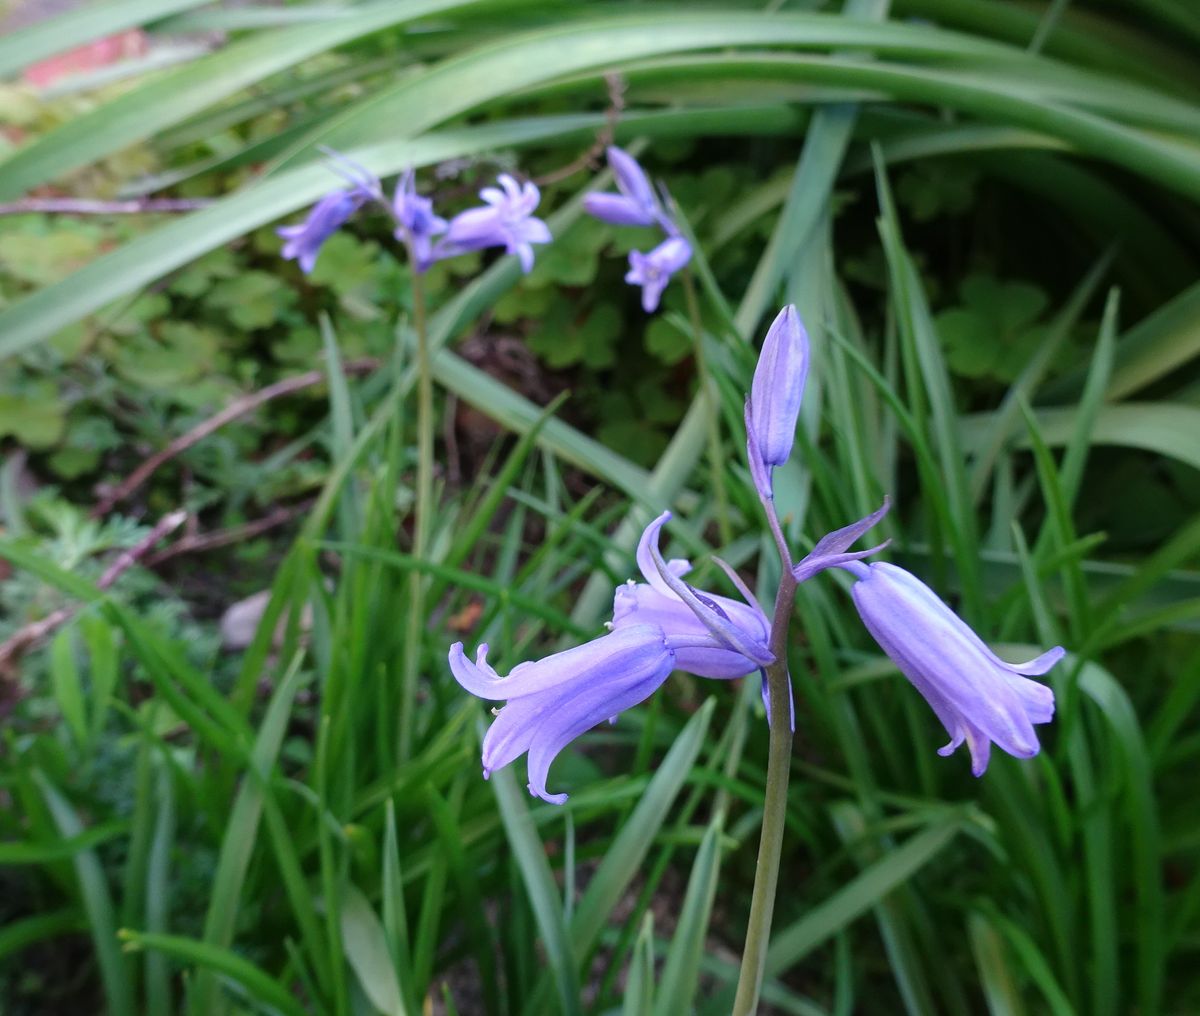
(739, 643)
(654, 270)
(506, 220)
(554, 700)
(775, 396)
(636, 204)
(978, 697)
(303, 242)
(416, 223)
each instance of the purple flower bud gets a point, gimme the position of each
(554, 700)
(977, 696)
(303, 242)
(777, 389)
(654, 270)
(506, 220)
(696, 648)
(416, 221)
(636, 205)
(616, 209)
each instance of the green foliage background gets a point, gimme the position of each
(987, 215)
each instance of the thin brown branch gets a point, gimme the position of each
(195, 541)
(86, 206)
(237, 408)
(12, 648)
(590, 158)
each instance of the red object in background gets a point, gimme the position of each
(100, 53)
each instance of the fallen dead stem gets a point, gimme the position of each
(12, 648)
(237, 408)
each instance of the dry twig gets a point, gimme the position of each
(12, 648)
(197, 541)
(87, 206)
(604, 136)
(238, 407)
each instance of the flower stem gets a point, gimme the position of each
(779, 758)
(413, 642)
(714, 426)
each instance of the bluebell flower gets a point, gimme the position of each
(554, 700)
(978, 697)
(416, 223)
(654, 270)
(636, 204)
(712, 636)
(775, 396)
(506, 220)
(303, 242)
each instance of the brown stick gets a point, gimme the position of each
(238, 407)
(604, 137)
(87, 206)
(192, 542)
(22, 639)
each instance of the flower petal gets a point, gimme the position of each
(616, 209)
(587, 709)
(750, 644)
(631, 178)
(622, 648)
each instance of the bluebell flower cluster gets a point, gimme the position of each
(505, 219)
(636, 204)
(663, 623)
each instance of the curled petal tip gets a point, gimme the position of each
(548, 798)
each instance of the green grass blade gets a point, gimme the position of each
(1075, 456)
(169, 98)
(15, 852)
(26, 931)
(639, 984)
(676, 987)
(213, 961)
(791, 944)
(395, 913)
(627, 850)
(157, 984)
(367, 952)
(242, 834)
(68, 689)
(95, 899)
(103, 658)
(539, 884)
(1000, 989)
(1164, 428)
